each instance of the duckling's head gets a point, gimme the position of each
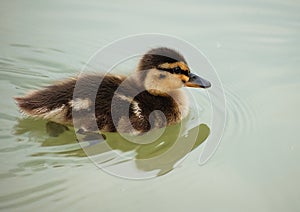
(167, 70)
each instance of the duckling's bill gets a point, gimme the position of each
(197, 82)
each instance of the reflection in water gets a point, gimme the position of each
(54, 129)
(161, 155)
(57, 139)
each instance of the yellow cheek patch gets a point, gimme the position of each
(182, 66)
(183, 77)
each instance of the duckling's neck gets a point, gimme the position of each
(177, 95)
(181, 99)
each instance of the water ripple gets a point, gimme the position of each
(33, 194)
(239, 115)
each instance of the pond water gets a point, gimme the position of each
(254, 47)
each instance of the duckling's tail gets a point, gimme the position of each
(50, 103)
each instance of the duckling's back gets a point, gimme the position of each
(56, 102)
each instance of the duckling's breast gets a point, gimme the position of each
(147, 111)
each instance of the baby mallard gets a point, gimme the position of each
(150, 98)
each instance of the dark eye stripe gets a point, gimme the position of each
(176, 70)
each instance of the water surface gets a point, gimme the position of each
(254, 47)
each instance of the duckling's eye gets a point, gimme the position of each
(177, 70)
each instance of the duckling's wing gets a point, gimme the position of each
(83, 96)
(50, 103)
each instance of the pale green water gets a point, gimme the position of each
(254, 47)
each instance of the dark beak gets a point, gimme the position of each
(197, 82)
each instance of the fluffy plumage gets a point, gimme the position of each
(85, 101)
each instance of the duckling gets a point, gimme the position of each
(152, 93)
